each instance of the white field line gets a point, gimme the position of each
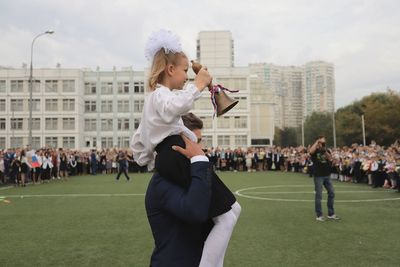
(309, 192)
(75, 195)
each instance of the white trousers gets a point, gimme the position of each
(218, 239)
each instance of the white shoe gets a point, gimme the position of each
(320, 219)
(333, 217)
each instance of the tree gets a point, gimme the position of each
(286, 137)
(382, 119)
(318, 123)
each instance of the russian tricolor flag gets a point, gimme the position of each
(35, 163)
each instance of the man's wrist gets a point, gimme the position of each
(199, 158)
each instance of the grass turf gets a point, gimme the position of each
(97, 221)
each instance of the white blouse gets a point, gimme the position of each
(161, 118)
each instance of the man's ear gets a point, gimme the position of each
(169, 69)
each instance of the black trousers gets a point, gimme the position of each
(122, 170)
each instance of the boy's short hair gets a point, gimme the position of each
(192, 122)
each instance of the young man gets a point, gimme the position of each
(321, 158)
(178, 216)
(123, 165)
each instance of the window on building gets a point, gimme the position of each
(138, 106)
(241, 140)
(2, 143)
(90, 124)
(2, 105)
(51, 141)
(260, 142)
(203, 103)
(51, 105)
(107, 142)
(223, 122)
(207, 122)
(51, 123)
(207, 140)
(36, 86)
(35, 123)
(90, 88)
(242, 103)
(240, 122)
(239, 84)
(35, 104)
(17, 86)
(51, 86)
(68, 142)
(224, 140)
(17, 105)
(106, 124)
(123, 124)
(2, 86)
(106, 106)
(136, 123)
(123, 141)
(106, 88)
(68, 86)
(123, 105)
(2, 124)
(16, 141)
(138, 87)
(90, 106)
(69, 104)
(123, 87)
(68, 123)
(17, 123)
(36, 142)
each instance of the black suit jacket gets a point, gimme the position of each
(178, 217)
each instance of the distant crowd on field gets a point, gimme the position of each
(375, 165)
(20, 166)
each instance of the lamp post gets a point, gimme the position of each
(363, 128)
(31, 85)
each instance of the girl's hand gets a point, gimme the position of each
(203, 79)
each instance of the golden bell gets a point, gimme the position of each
(222, 100)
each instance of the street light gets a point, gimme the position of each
(31, 86)
(363, 128)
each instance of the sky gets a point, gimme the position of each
(360, 37)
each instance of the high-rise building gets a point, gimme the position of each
(285, 86)
(215, 49)
(251, 121)
(318, 87)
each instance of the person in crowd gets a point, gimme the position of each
(93, 162)
(122, 165)
(2, 176)
(47, 165)
(63, 166)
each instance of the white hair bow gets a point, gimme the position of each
(162, 39)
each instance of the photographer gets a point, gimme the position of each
(321, 158)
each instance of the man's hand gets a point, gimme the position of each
(192, 148)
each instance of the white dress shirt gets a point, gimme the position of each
(161, 118)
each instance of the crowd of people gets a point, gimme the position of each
(22, 165)
(375, 165)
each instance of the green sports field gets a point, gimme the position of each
(97, 221)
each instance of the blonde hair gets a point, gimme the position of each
(160, 62)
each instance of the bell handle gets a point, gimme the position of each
(196, 67)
